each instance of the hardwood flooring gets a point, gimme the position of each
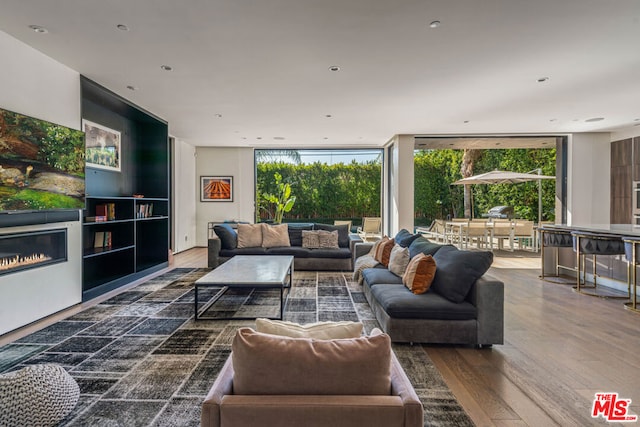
(560, 349)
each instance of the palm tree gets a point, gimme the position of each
(272, 156)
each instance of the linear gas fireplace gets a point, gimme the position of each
(22, 251)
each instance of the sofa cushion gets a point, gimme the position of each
(377, 276)
(266, 364)
(399, 302)
(383, 253)
(458, 270)
(343, 232)
(296, 251)
(318, 330)
(423, 245)
(227, 235)
(228, 253)
(310, 239)
(275, 235)
(330, 253)
(295, 232)
(398, 260)
(420, 273)
(328, 239)
(404, 238)
(249, 235)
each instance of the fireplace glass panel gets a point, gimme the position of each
(22, 251)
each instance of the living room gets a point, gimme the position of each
(41, 85)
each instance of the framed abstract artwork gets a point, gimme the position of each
(216, 189)
(103, 146)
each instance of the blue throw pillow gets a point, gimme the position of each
(457, 271)
(423, 245)
(404, 238)
(227, 235)
(343, 232)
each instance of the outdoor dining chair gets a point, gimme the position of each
(371, 228)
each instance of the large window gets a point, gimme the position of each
(327, 185)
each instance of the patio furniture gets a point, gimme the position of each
(341, 222)
(503, 229)
(525, 234)
(371, 228)
(478, 232)
(436, 231)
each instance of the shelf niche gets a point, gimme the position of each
(138, 246)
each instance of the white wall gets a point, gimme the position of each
(589, 178)
(400, 196)
(36, 85)
(235, 162)
(184, 198)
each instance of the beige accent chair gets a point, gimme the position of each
(400, 408)
(340, 222)
(371, 229)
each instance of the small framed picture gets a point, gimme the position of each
(103, 146)
(216, 189)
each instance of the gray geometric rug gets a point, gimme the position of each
(141, 360)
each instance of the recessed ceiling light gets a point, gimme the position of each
(594, 119)
(258, 137)
(219, 116)
(553, 120)
(636, 120)
(166, 67)
(38, 29)
(334, 68)
(434, 24)
(328, 116)
(466, 121)
(279, 138)
(542, 79)
(122, 27)
(132, 87)
(325, 137)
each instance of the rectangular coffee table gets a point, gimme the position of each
(247, 271)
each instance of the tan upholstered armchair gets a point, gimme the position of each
(223, 408)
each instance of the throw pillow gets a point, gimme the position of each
(458, 271)
(384, 252)
(404, 238)
(295, 233)
(274, 236)
(423, 245)
(328, 240)
(249, 235)
(420, 273)
(273, 365)
(310, 239)
(227, 235)
(377, 248)
(398, 260)
(343, 232)
(318, 330)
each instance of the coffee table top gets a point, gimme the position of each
(250, 270)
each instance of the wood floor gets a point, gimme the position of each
(560, 349)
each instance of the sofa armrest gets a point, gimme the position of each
(401, 386)
(487, 295)
(213, 250)
(223, 385)
(361, 248)
(354, 239)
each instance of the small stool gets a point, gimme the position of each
(586, 243)
(632, 255)
(555, 239)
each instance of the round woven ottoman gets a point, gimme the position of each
(38, 395)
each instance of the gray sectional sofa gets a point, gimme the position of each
(462, 306)
(224, 246)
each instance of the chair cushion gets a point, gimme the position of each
(227, 235)
(377, 276)
(398, 302)
(275, 235)
(343, 232)
(266, 364)
(458, 270)
(318, 330)
(420, 273)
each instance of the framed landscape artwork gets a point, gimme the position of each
(216, 189)
(103, 146)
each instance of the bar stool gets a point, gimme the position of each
(555, 238)
(632, 254)
(586, 243)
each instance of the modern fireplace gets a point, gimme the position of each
(22, 251)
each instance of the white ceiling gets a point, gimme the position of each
(263, 65)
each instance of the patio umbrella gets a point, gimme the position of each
(506, 177)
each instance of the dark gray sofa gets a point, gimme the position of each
(463, 306)
(224, 246)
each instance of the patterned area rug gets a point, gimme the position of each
(141, 360)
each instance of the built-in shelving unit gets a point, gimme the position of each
(134, 240)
